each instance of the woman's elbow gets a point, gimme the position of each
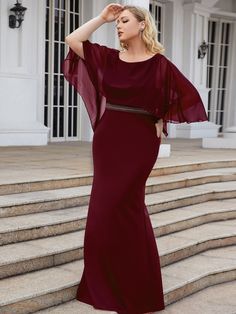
(67, 40)
(70, 42)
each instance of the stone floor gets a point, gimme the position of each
(59, 160)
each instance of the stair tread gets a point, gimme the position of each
(167, 178)
(192, 211)
(74, 307)
(182, 193)
(42, 219)
(198, 266)
(67, 275)
(17, 252)
(204, 301)
(51, 195)
(165, 164)
(217, 299)
(58, 216)
(191, 175)
(45, 195)
(193, 236)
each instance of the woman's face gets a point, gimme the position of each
(127, 26)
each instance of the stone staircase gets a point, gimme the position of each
(193, 213)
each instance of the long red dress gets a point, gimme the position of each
(121, 262)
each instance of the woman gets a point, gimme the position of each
(129, 96)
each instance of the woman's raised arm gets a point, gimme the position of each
(82, 33)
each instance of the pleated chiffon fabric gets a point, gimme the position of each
(122, 270)
(155, 85)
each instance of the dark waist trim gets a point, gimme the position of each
(126, 108)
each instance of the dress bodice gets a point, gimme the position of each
(155, 85)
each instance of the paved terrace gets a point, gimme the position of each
(60, 160)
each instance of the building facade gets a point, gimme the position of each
(38, 106)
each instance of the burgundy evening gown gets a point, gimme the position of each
(121, 262)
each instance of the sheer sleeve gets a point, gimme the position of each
(86, 76)
(182, 102)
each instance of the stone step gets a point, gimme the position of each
(216, 299)
(183, 244)
(42, 253)
(188, 179)
(190, 216)
(158, 202)
(198, 272)
(77, 307)
(41, 289)
(43, 224)
(18, 186)
(41, 201)
(49, 223)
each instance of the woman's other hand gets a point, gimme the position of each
(111, 12)
(159, 127)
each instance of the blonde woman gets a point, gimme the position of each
(130, 94)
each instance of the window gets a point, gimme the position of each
(219, 33)
(61, 106)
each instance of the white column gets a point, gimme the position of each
(195, 24)
(22, 76)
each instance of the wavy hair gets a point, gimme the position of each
(149, 34)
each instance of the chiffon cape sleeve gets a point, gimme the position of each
(86, 76)
(181, 101)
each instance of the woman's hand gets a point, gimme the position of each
(111, 12)
(159, 127)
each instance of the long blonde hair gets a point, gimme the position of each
(149, 34)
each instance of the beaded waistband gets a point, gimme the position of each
(126, 108)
